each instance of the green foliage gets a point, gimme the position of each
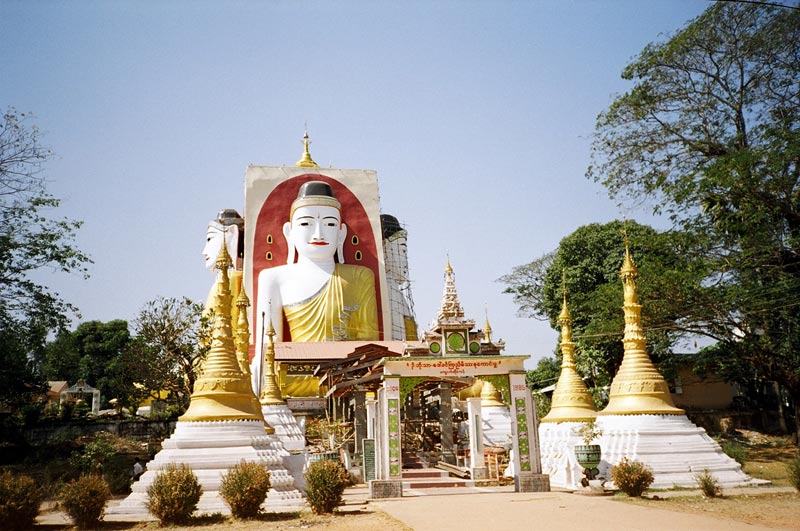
(85, 498)
(325, 484)
(735, 450)
(709, 133)
(708, 484)
(793, 468)
(244, 488)
(172, 340)
(173, 495)
(31, 239)
(589, 431)
(545, 374)
(590, 258)
(543, 404)
(92, 456)
(91, 353)
(19, 501)
(631, 477)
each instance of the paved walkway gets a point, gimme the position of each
(500, 508)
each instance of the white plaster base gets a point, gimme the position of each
(281, 418)
(557, 446)
(210, 449)
(672, 446)
(496, 426)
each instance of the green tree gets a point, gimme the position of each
(172, 340)
(710, 133)
(31, 239)
(588, 262)
(92, 353)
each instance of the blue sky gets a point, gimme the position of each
(477, 117)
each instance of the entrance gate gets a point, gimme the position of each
(526, 462)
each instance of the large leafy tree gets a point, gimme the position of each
(710, 133)
(172, 340)
(587, 263)
(91, 353)
(31, 239)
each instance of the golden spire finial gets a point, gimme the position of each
(222, 392)
(306, 161)
(242, 340)
(571, 401)
(271, 391)
(487, 328)
(564, 316)
(638, 388)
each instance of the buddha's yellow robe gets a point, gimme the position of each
(344, 309)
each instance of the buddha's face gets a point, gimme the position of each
(397, 257)
(214, 239)
(316, 231)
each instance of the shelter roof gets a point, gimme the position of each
(331, 350)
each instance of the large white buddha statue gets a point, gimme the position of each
(395, 251)
(320, 298)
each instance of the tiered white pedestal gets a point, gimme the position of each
(210, 449)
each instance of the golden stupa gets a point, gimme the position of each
(638, 388)
(571, 399)
(306, 161)
(490, 396)
(222, 391)
(270, 391)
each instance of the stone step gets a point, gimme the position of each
(424, 473)
(432, 483)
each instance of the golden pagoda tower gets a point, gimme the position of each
(270, 391)
(487, 328)
(638, 388)
(222, 392)
(571, 399)
(306, 161)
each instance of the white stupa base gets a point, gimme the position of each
(210, 449)
(497, 426)
(289, 431)
(672, 446)
(557, 447)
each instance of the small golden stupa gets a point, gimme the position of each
(222, 392)
(638, 388)
(306, 161)
(571, 399)
(271, 391)
(490, 396)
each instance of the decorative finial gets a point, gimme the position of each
(306, 161)
(564, 316)
(487, 328)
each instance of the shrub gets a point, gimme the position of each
(793, 468)
(708, 484)
(325, 483)
(85, 499)
(244, 488)
(173, 496)
(735, 451)
(19, 501)
(631, 477)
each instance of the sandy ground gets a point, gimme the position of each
(503, 509)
